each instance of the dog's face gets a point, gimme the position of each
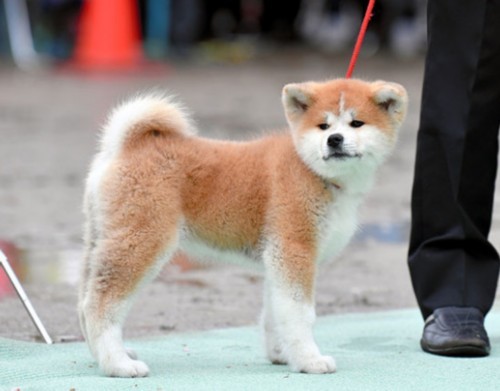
(343, 122)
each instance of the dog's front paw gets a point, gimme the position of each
(125, 368)
(317, 364)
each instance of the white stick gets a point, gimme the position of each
(24, 298)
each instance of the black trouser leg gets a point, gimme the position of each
(451, 260)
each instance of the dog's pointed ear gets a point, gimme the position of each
(391, 97)
(297, 99)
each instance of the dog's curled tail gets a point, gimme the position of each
(146, 115)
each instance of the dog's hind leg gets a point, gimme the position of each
(90, 238)
(121, 264)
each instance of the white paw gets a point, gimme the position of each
(317, 364)
(126, 368)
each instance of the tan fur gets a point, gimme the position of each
(160, 184)
(151, 192)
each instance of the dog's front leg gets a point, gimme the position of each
(272, 341)
(289, 311)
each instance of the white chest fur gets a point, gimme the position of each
(337, 226)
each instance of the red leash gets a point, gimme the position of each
(361, 37)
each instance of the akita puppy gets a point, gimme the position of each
(287, 201)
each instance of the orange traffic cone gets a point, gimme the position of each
(108, 35)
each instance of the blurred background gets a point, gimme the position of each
(65, 63)
(37, 31)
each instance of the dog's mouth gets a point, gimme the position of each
(340, 155)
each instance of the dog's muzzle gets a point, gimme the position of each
(335, 146)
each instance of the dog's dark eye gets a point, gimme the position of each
(323, 126)
(356, 124)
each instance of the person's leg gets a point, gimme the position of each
(451, 261)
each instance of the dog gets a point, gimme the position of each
(287, 201)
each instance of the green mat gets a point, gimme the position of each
(376, 351)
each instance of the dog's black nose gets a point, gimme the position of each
(335, 140)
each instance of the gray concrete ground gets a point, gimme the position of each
(48, 130)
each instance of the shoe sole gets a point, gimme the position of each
(457, 351)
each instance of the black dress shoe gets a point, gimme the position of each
(456, 331)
